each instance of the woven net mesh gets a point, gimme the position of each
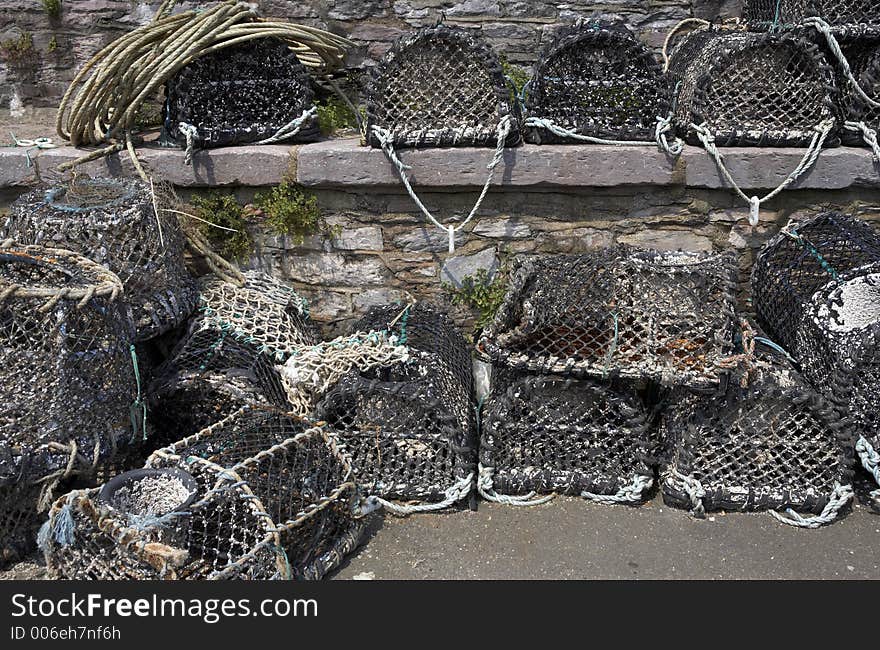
(227, 358)
(556, 434)
(863, 56)
(241, 94)
(409, 427)
(767, 441)
(117, 223)
(803, 258)
(761, 13)
(618, 312)
(439, 86)
(598, 81)
(19, 520)
(751, 89)
(272, 500)
(69, 391)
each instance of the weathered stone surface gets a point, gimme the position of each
(335, 270)
(510, 228)
(373, 297)
(365, 238)
(668, 240)
(455, 269)
(427, 238)
(328, 305)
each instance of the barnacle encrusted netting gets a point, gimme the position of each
(118, 223)
(618, 312)
(258, 495)
(544, 434)
(227, 357)
(769, 441)
(410, 426)
(595, 80)
(741, 88)
(439, 86)
(250, 93)
(805, 256)
(70, 393)
(837, 13)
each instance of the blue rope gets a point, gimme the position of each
(138, 403)
(774, 346)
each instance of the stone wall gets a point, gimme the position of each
(515, 27)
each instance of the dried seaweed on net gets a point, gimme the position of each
(546, 434)
(749, 89)
(120, 224)
(71, 396)
(805, 256)
(769, 441)
(618, 313)
(242, 94)
(273, 500)
(597, 80)
(410, 426)
(440, 86)
(837, 13)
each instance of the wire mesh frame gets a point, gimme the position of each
(19, 521)
(618, 313)
(773, 444)
(772, 14)
(440, 86)
(545, 434)
(752, 89)
(599, 81)
(117, 223)
(863, 55)
(274, 501)
(241, 94)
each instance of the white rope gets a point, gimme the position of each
(291, 128)
(871, 462)
(386, 141)
(692, 488)
(807, 161)
(191, 132)
(453, 494)
(869, 135)
(825, 29)
(699, 22)
(364, 507)
(841, 495)
(663, 127)
(632, 493)
(485, 490)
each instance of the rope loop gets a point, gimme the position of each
(486, 490)
(841, 495)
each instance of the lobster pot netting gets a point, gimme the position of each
(242, 94)
(863, 56)
(117, 223)
(70, 397)
(768, 441)
(271, 498)
(837, 13)
(749, 89)
(597, 81)
(227, 358)
(543, 434)
(796, 263)
(440, 86)
(618, 312)
(410, 427)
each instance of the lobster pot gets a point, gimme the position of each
(410, 427)
(597, 81)
(116, 223)
(547, 434)
(618, 313)
(799, 261)
(242, 94)
(863, 56)
(837, 13)
(440, 87)
(768, 441)
(19, 520)
(264, 496)
(750, 89)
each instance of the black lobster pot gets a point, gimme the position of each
(618, 313)
(752, 89)
(242, 94)
(410, 428)
(862, 51)
(768, 441)
(598, 80)
(543, 434)
(117, 223)
(440, 87)
(839, 14)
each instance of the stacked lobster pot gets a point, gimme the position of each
(255, 92)
(816, 291)
(576, 344)
(595, 82)
(71, 397)
(408, 421)
(227, 358)
(737, 88)
(441, 86)
(259, 495)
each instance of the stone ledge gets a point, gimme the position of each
(343, 164)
